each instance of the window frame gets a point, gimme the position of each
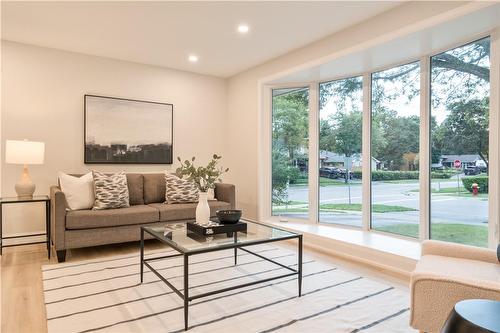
(265, 165)
(493, 214)
(362, 145)
(265, 192)
(371, 73)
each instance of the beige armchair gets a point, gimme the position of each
(446, 274)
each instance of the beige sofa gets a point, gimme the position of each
(446, 274)
(83, 228)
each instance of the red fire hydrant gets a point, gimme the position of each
(475, 189)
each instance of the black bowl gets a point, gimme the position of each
(228, 216)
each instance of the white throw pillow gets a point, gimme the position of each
(79, 191)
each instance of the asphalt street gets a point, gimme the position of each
(464, 209)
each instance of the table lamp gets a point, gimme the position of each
(24, 152)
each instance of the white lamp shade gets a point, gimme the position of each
(24, 152)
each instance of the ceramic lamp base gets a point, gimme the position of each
(25, 187)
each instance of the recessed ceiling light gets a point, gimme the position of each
(243, 28)
(193, 58)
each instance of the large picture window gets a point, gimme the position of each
(340, 160)
(395, 137)
(460, 94)
(381, 112)
(290, 154)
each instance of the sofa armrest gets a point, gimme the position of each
(226, 192)
(57, 217)
(438, 248)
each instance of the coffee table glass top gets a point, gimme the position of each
(185, 240)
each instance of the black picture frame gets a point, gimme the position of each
(128, 157)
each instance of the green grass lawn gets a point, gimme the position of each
(455, 191)
(377, 208)
(459, 233)
(398, 181)
(327, 182)
(415, 181)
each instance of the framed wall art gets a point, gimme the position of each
(127, 131)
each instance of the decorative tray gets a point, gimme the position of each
(214, 227)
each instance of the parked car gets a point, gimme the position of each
(334, 173)
(342, 173)
(472, 170)
(329, 172)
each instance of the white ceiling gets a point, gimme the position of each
(164, 33)
(404, 49)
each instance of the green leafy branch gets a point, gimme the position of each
(204, 177)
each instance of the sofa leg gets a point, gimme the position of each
(61, 255)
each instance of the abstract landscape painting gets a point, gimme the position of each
(125, 131)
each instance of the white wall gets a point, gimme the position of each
(244, 111)
(42, 99)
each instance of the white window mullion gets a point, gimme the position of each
(264, 190)
(494, 143)
(366, 152)
(424, 155)
(313, 152)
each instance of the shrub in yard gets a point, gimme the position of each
(394, 175)
(481, 181)
(378, 175)
(356, 174)
(441, 175)
(294, 175)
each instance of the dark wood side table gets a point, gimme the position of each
(474, 316)
(36, 198)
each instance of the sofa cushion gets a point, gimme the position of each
(186, 211)
(88, 219)
(154, 187)
(135, 182)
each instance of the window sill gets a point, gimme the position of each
(383, 251)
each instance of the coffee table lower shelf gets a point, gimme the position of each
(184, 294)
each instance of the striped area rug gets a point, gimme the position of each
(105, 296)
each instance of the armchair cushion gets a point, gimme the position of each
(458, 251)
(465, 271)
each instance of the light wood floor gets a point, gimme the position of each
(22, 306)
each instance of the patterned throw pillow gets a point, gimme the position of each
(110, 191)
(180, 190)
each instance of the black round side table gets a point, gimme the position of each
(474, 316)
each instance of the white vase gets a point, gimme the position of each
(202, 209)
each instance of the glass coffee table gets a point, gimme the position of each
(188, 243)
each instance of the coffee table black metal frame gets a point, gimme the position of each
(36, 198)
(185, 253)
